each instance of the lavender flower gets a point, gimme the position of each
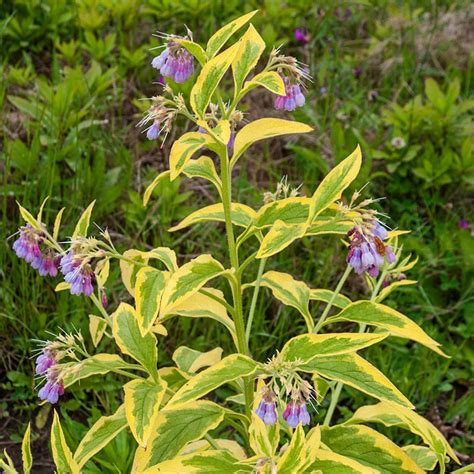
(266, 409)
(295, 413)
(292, 99)
(154, 131)
(367, 250)
(174, 62)
(78, 273)
(302, 36)
(463, 224)
(52, 389)
(27, 245)
(44, 361)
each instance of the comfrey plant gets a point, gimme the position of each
(267, 425)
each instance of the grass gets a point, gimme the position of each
(74, 139)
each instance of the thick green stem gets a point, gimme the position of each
(234, 260)
(253, 304)
(337, 390)
(333, 297)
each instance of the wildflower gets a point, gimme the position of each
(52, 389)
(174, 62)
(293, 97)
(296, 412)
(463, 224)
(46, 264)
(153, 132)
(266, 409)
(367, 252)
(78, 273)
(398, 143)
(357, 72)
(27, 245)
(44, 361)
(302, 36)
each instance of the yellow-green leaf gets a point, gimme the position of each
(102, 432)
(271, 80)
(241, 215)
(26, 457)
(228, 369)
(97, 326)
(128, 337)
(208, 462)
(394, 415)
(149, 287)
(203, 167)
(379, 315)
(83, 223)
(142, 402)
(129, 270)
(250, 49)
(221, 36)
(8, 466)
(62, 456)
(340, 301)
(102, 271)
(353, 370)
(188, 280)
(151, 187)
(393, 286)
(27, 217)
(191, 360)
(57, 224)
(293, 210)
(308, 346)
(423, 456)
(294, 458)
(265, 128)
(208, 80)
(174, 428)
(335, 182)
(194, 48)
(164, 255)
(279, 237)
(330, 462)
(369, 448)
(183, 149)
(290, 292)
(259, 436)
(332, 226)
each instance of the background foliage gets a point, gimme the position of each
(393, 76)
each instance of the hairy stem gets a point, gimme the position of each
(333, 297)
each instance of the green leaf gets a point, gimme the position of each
(188, 280)
(333, 463)
(332, 226)
(129, 270)
(356, 372)
(369, 448)
(249, 52)
(151, 187)
(194, 48)
(83, 223)
(102, 432)
(259, 435)
(290, 292)
(279, 237)
(271, 80)
(340, 301)
(308, 346)
(149, 287)
(208, 80)
(219, 38)
(241, 215)
(293, 210)
(203, 167)
(26, 451)
(393, 286)
(57, 224)
(228, 369)
(294, 457)
(207, 462)
(62, 456)
(176, 427)
(394, 415)
(164, 255)
(265, 128)
(97, 327)
(335, 182)
(128, 337)
(381, 316)
(28, 218)
(191, 360)
(98, 364)
(423, 456)
(183, 149)
(142, 404)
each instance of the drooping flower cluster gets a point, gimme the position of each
(266, 409)
(78, 273)
(45, 366)
(174, 62)
(296, 412)
(293, 97)
(28, 246)
(160, 117)
(367, 251)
